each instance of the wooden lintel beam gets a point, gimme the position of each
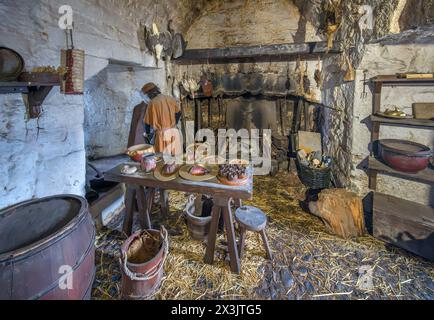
(277, 51)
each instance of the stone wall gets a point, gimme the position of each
(110, 98)
(251, 22)
(47, 157)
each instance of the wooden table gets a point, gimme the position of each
(222, 197)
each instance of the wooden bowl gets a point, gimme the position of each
(136, 152)
(233, 183)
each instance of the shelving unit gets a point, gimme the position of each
(423, 124)
(403, 223)
(36, 92)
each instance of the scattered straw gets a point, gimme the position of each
(320, 265)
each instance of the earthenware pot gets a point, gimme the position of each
(149, 162)
(404, 156)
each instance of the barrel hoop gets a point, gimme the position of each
(72, 226)
(77, 265)
(90, 287)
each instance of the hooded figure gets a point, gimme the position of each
(161, 118)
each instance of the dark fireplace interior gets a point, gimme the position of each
(254, 100)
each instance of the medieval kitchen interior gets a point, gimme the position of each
(336, 98)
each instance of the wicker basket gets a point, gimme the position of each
(314, 178)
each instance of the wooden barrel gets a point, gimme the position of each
(47, 250)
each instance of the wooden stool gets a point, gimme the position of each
(252, 219)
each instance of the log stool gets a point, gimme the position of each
(252, 219)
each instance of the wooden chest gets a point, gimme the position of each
(405, 224)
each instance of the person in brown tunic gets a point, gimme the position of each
(161, 117)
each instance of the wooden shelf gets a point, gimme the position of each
(36, 93)
(273, 52)
(404, 122)
(425, 176)
(405, 224)
(393, 80)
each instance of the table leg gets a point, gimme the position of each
(150, 195)
(164, 203)
(232, 242)
(238, 203)
(212, 235)
(242, 242)
(145, 220)
(130, 197)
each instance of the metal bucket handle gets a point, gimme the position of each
(154, 271)
(189, 207)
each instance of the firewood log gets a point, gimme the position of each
(341, 211)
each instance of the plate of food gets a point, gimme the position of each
(166, 171)
(136, 152)
(198, 172)
(233, 174)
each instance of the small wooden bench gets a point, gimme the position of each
(252, 219)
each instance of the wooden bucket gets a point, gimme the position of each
(142, 269)
(47, 250)
(198, 227)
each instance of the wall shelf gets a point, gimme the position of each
(427, 124)
(393, 80)
(394, 218)
(35, 93)
(265, 53)
(385, 80)
(425, 176)
(400, 222)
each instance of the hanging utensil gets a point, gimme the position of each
(365, 76)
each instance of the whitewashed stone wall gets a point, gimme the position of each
(51, 160)
(110, 98)
(47, 157)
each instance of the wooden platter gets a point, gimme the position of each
(382, 114)
(161, 177)
(234, 183)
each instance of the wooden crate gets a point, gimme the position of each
(405, 224)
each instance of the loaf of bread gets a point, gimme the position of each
(198, 171)
(168, 169)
